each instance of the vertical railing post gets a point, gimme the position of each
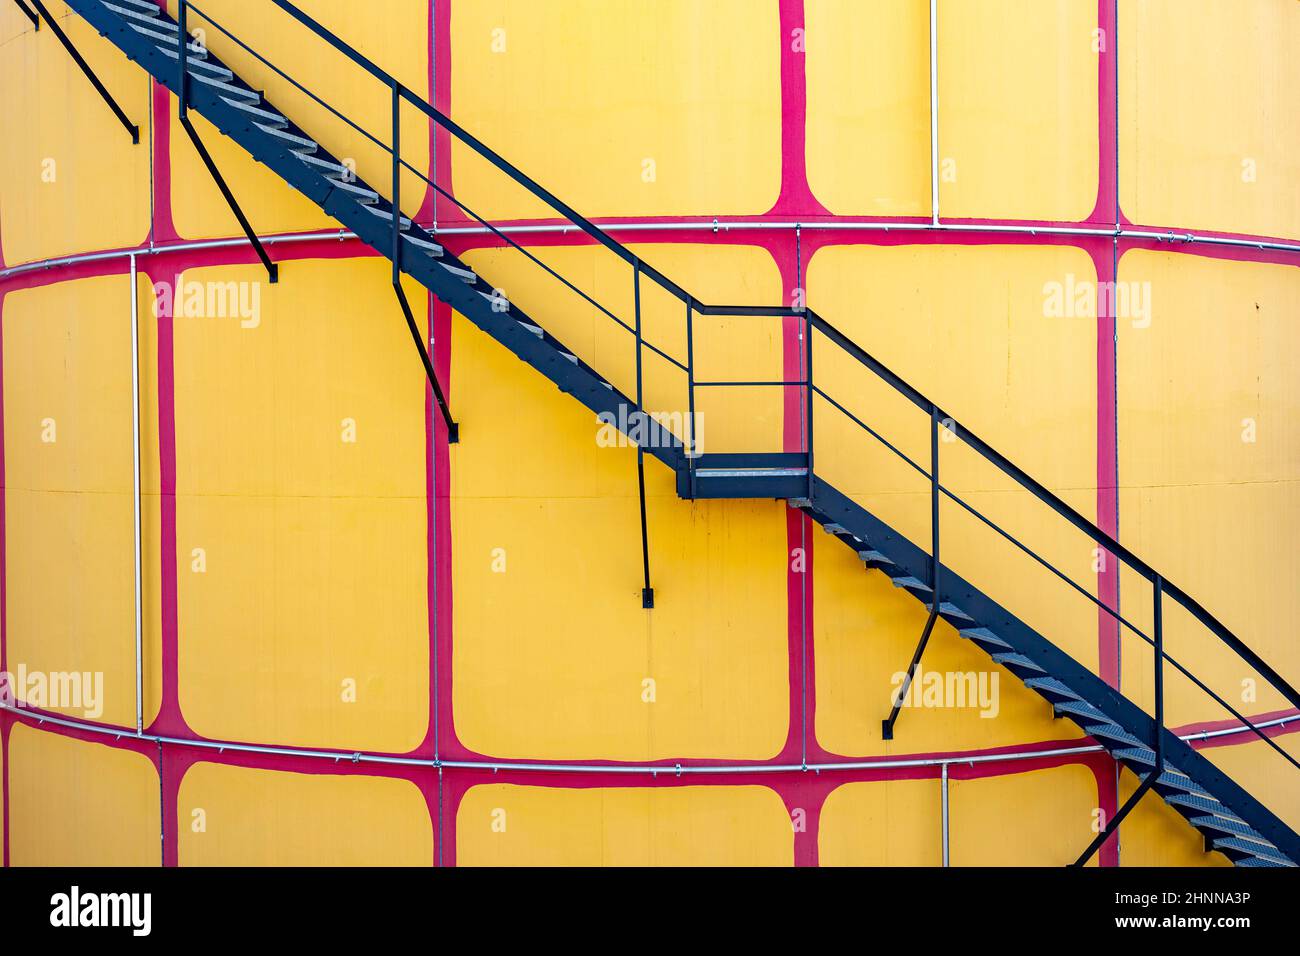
(1158, 673)
(397, 183)
(1158, 592)
(182, 80)
(887, 725)
(934, 502)
(642, 427)
(692, 451)
(808, 406)
(138, 503)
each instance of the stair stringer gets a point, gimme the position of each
(830, 506)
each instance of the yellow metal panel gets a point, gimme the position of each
(966, 325)
(508, 825)
(73, 803)
(1040, 818)
(883, 823)
(1209, 462)
(70, 178)
(1017, 108)
(68, 476)
(240, 816)
(392, 33)
(865, 631)
(301, 521)
(668, 124)
(1208, 138)
(868, 132)
(728, 349)
(552, 649)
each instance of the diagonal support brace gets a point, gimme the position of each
(272, 269)
(453, 430)
(1113, 825)
(107, 97)
(183, 113)
(30, 14)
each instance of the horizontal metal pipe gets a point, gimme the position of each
(643, 769)
(715, 225)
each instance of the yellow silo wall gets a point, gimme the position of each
(322, 572)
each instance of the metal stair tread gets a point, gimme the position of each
(265, 117)
(299, 143)
(1012, 659)
(190, 48)
(1273, 855)
(196, 64)
(910, 582)
(225, 89)
(429, 248)
(363, 193)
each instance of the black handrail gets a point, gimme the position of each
(817, 322)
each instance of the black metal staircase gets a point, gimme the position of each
(1232, 820)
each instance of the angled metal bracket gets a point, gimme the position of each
(1113, 825)
(107, 97)
(30, 14)
(1158, 589)
(183, 112)
(453, 430)
(272, 269)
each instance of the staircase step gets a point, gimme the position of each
(143, 6)
(535, 329)
(1052, 686)
(1254, 849)
(569, 357)
(1113, 731)
(153, 32)
(1203, 804)
(387, 215)
(328, 167)
(264, 117)
(142, 15)
(464, 275)
(428, 248)
(874, 558)
(799, 503)
(982, 635)
(1079, 708)
(1018, 661)
(195, 65)
(1257, 861)
(1143, 755)
(1179, 780)
(1234, 827)
(299, 144)
(224, 88)
(361, 193)
(949, 611)
(911, 583)
(834, 528)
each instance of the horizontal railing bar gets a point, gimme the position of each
(925, 472)
(747, 384)
(649, 769)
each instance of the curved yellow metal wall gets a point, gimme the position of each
(322, 572)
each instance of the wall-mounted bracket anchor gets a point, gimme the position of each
(107, 97)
